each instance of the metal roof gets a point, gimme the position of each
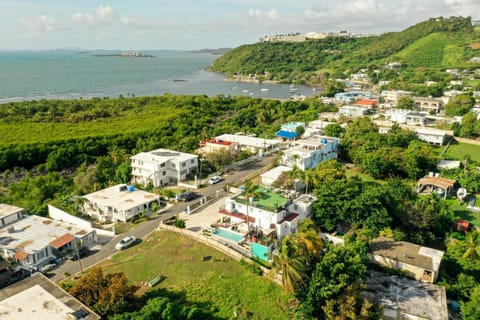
(286, 134)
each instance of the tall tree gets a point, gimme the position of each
(472, 245)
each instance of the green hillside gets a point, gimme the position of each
(437, 42)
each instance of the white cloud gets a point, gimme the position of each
(40, 24)
(258, 14)
(103, 15)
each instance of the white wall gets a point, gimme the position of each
(61, 215)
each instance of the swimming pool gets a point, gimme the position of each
(228, 235)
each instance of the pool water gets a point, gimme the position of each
(228, 235)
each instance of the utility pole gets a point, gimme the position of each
(78, 256)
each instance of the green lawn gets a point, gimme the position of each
(220, 285)
(461, 212)
(460, 149)
(357, 171)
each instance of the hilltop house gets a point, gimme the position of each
(271, 216)
(33, 240)
(354, 111)
(162, 167)
(217, 145)
(421, 263)
(431, 105)
(309, 152)
(392, 96)
(119, 203)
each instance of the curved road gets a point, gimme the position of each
(149, 226)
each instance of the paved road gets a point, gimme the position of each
(147, 227)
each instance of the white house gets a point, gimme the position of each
(33, 240)
(316, 127)
(392, 96)
(433, 136)
(270, 176)
(162, 167)
(271, 212)
(353, 111)
(256, 145)
(309, 152)
(119, 203)
(421, 263)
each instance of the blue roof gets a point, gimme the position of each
(286, 134)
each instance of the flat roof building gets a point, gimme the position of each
(39, 298)
(403, 298)
(162, 167)
(421, 263)
(34, 240)
(119, 203)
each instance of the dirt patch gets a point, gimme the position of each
(475, 45)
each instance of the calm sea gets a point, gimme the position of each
(71, 75)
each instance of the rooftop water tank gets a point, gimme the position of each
(130, 188)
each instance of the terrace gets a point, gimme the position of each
(267, 200)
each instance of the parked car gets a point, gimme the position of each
(47, 267)
(125, 242)
(214, 180)
(187, 196)
(83, 251)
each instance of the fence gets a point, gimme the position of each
(226, 249)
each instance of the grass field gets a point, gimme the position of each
(460, 150)
(461, 212)
(219, 285)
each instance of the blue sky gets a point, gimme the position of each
(196, 24)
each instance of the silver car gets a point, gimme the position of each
(125, 242)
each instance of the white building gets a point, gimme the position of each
(392, 96)
(33, 240)
(316, 127)
(309, 152)
(270, 176)
(271, 212)
(256, 145)
(433, 136)
(408, 117)
(162, 167)
(119, 203)
(353, 111)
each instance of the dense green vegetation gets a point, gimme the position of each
(74, 147)
(435, 43)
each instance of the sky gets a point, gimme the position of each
(198, 24)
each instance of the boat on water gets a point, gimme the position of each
(245, 91)
(293, 88)
(264, 89)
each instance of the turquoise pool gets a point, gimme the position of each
(228, 235)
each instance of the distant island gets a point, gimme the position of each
(125, 54)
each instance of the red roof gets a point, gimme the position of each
(462, 225)
(20, 255)
(367, 102)
(63, 240)
(289, 218)
(237, 215)
(215, 141)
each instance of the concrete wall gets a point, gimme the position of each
(60, 215)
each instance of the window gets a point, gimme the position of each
(183, 164)
(164, 173)
(192, 161)
(162, 165)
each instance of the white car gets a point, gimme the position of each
(125, 242)
(48, 267)
(214, 179)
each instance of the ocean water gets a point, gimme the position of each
(71, 75)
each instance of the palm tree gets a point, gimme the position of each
(292, 265)
(472, 245)
(249, 192)
(309, 242)
(309, 178)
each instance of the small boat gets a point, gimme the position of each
(245, 90)
(264, 89)
(251, 93)
(293, 89)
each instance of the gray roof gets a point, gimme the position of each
(6, 210)
(37, 297)
(407, 297)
